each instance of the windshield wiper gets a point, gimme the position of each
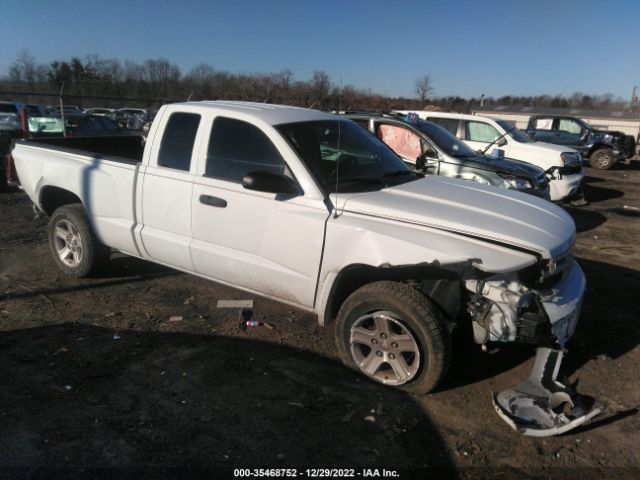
(507, 132)
(373, 180)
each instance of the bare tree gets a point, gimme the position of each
(24, 70)
(162, 76)
(158, 80)
(319, 87)
(423, 87)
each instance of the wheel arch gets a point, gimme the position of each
(443, 287)
(52, 198)
(599, 146)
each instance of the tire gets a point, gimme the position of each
(602, 159)
(377, 314)
(73, 243)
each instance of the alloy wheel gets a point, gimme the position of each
(384, 348)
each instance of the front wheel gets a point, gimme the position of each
(74, 245)
(393, 334)
(602, 159)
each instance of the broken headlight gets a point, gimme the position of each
(518, 183)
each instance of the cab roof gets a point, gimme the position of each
(271, 114)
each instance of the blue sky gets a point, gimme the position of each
(468, 48)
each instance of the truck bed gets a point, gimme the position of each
(100, 171)
(125, 149)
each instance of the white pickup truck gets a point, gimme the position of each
(310, 209)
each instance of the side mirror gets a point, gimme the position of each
(429, 153)
(502, 142)
(421, 161)
(270, 182)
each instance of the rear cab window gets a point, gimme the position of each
(544, 124)
(178, 139)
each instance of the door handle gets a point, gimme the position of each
(213, 201)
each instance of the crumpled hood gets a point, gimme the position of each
(506, 165)
(471, 209)
(612, 133)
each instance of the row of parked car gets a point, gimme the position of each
(468, 147)
(21, 120)
(495, 152)
(46, 120)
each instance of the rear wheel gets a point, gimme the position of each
(392, 333)
(74, 245)
(602, 159)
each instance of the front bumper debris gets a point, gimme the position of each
(502, 310)
(498, 303)
(542, 405)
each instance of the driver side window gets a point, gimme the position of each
(401, 140)
(569, 126)
(480, 132)
(237, 148)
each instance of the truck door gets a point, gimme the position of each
(569, 132)
(263, 242)
(166, 193)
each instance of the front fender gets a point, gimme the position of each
(377, 242)
(355, 238)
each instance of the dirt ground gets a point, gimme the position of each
(97, 380)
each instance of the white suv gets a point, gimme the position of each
(562, 165)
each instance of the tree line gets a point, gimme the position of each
(157, 81)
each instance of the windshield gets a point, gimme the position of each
(586, 125)
(8, 108)
(445, 140)
(342, 152)
(515, 133)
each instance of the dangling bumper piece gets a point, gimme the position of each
(543, 405)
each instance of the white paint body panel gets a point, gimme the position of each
(257, 241)
(106, 188)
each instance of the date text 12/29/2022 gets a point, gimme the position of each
(316, 472)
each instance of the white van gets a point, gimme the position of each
(563, 165)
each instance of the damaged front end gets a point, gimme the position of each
(544, 312)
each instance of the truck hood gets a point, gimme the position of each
(471, 209)
(545, 155)
(613, 133)
(506, 165)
